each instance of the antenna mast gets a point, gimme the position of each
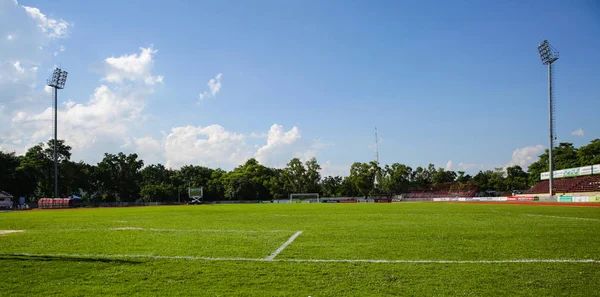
(376, 147)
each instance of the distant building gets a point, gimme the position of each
(6, 200)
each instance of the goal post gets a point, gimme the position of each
(304, 197)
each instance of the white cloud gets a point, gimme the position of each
(258, 135)
(579, 132)
(526, 155)
(217, 147)
(23, 55)
(133, 67)
(149, 149)
(214, 86)
(52, 27)
(211, 145)
(276, 139)
(17, 66)
(449, 165)
(47, 89)
(312, 150)
(108, 114)
(330, 169)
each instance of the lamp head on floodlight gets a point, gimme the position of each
(57, 79)
(547, 53)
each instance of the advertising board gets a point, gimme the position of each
(565, 199)
(581, 199)
(578, 171)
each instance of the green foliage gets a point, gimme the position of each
(118, 178)
(589, 154)
(121, 177)
(362, 176)
(396, 179)
(516, 178)
(331, 186)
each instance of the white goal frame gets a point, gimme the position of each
(304, 196)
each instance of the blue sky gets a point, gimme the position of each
(457, 81)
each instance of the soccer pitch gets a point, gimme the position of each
(303, 250)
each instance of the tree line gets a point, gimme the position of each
(123, 177)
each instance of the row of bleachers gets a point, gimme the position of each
(440, 193)
(578, 184)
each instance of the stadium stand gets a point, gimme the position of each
(578, 184)
(444, 190)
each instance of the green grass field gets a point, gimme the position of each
(343, 250)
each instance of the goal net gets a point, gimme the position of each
(304, 198)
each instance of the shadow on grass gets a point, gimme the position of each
(47, 258)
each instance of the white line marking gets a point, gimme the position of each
(126, 256)
(3, 232)
(283, 246)
(558, 217)
(165, 230)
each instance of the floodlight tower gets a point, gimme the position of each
(549, 55)
(57, 80)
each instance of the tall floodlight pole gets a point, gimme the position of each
(57, 80)
(548, 55)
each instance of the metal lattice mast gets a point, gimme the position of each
(549, 55)
(376, 147)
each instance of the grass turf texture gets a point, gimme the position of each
(43, 260)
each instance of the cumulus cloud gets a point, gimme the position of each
(149, 149)
(330, 169)
(207, 146)
(312, 150)
(579, 132)
(30, 39)
(276, 139)
(133, 67)
(108, 113)
(214, 86)
(526, 155)
(51, 27)
(449, 165)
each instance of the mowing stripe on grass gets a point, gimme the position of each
(559, 217)
(283, 246)
(129, 256)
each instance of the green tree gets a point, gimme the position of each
(516, 178)
(421, 177)
(396, 179)
(118, 178)
(331, 186)
(294, 176)
(248, 182)
(565, 156)
(312, 177)
(462, 178)
(589, 154)
(362, 176)
(441, 176)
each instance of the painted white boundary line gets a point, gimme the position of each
(126, 256)
(283, 246)
(559, 217)
(124, 229)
